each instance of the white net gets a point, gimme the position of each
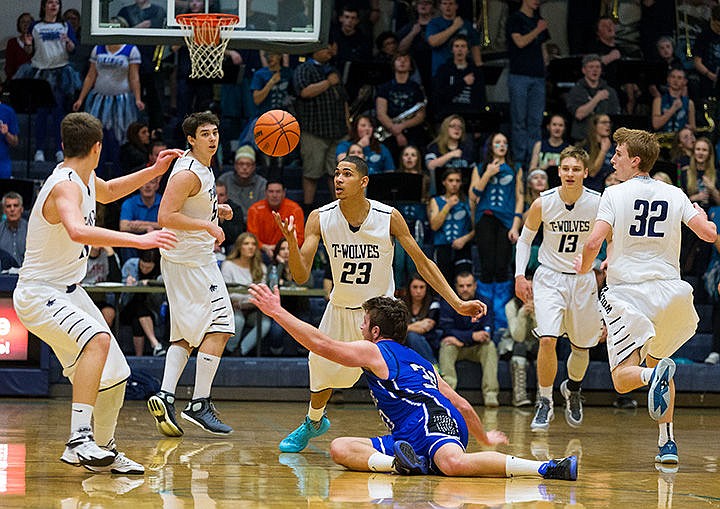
(207, 39)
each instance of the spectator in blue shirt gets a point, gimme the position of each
(378, 157)
(442, 29)
(463, 339)
(139, 213)
(8, 138)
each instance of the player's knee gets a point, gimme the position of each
(449, 465)
(100, 343)
(338, 449)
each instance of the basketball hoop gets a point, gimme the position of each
(206, 36)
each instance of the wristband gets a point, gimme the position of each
(517, 214)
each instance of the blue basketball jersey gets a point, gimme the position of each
(410, 403)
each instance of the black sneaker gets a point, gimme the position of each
(162, 408)
(201, 412)
(407, 461)
(573, 405)
(565, 469)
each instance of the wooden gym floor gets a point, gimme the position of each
(246, 470)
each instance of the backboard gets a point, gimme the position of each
(292, 26)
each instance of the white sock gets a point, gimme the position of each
(81, 416)
(315, 414)
(645, 375)
(666, 433)
(521, 467)
(175, 360)
(379, 462)
(105, 417)
(546, 392)
(205, 370)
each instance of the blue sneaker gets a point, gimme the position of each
(565, 469)
(298, 439)
(659, 388)
(407, 461)
(668, 453)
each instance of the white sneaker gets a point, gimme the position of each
(159, 351)
(120, 465)
(39, 156)
(59, 156)
(81, 449)
(712, 358)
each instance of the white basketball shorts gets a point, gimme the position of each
(66, 321)
(567, 303)
(341, 324)
(656, 316)
(198, 300)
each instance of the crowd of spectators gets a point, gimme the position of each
(427, 116)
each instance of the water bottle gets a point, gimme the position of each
(273, 277)
(419, 232)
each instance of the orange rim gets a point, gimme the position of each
(209, 19)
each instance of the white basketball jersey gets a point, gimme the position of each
(50, 254)
(195, 247)
(646, 216)
(565, 228)
(362, 260)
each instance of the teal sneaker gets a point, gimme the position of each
(659, 388)
(298, 439)
(667, 453)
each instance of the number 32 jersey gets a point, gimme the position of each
(565, 228)
(361, 259)
(646, 216)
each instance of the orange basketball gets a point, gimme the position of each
(277, 133)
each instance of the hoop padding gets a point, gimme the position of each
(206, 36)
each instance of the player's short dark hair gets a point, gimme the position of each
(194, 120)
(360, 164)
(79, 133)
(641, 144)
(390, 315)
(578, 153)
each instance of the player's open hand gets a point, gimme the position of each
(266, 300)
(473, 308)
(286, 227)
(225, 212)
(165, 157)
(157, 238)
(495, 437)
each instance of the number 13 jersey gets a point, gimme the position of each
(646, 216)
(361, 258)
(565, 228)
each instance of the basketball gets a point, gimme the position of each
(277, 133)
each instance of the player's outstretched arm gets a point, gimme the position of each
(63, 206)
(702, 226)
(430, 272)
(472, 419)
(301, 259)
(601, 231)
(356, 354)
(114, 189)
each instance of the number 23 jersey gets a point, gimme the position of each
(565, 228)
(646, 216)
(361, 259)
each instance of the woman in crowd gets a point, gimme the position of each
(699, 179)
(19, 50)
(497, 201)
(450, 149)
(377, 156)
(112, 90)
(142, 310)
(546, 152)
(411, 162)
(244, 266)
(537, 182)
(424, 310)
(682, 150)
(134, 153)
(600, 147)
(53, 41)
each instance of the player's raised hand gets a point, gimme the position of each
(495, 437)
(225, 211)
(165, 157)
(286, 227)
(473, 308)
(266, 300)
(158, 238)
